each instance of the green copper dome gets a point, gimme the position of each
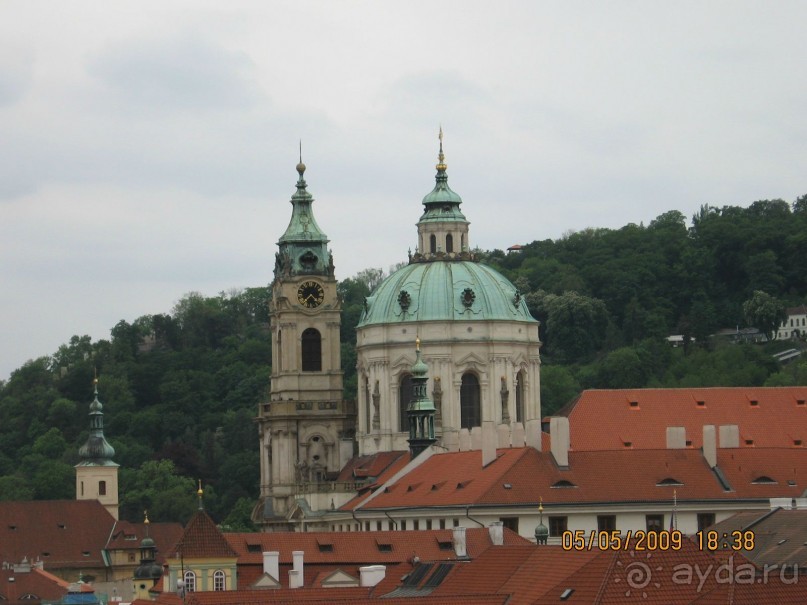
(445, 290)
(96, 451)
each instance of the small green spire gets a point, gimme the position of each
(421, 409)
(96, 451)
(442, 203)
(303, 246)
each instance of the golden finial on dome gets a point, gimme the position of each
(301, 166)
(441, 158)
(417, 343)
(541, 505)
(146, 517)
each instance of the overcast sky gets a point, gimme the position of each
(147, 149)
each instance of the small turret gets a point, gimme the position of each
(541, 530)
(96, 473)
(421, 409)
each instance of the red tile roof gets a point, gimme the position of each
(606, 419)
(524, 476)
(523, 572)
(360, 548)
(202, 539)
(127, 536)
(16, 584)
(58, 532)
(372, 465)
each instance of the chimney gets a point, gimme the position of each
(465, 440)
(729, 435)
(533, 434)
(271, 564)
(676, 437)
(166, 579)
(370, 575)
(297, 560)
(710, 445)
(488, 442)
(559, 433)
(503, 435)
(476, 438)
(518, 434)
(459, 542)
(295, 578)
(496, 530)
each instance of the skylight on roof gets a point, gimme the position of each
(563, 484)
(764, 480)
(566, 594)
(669, 481)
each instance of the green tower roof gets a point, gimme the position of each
(442, 204)
(96, 451)
(303, 246)
(445, 290)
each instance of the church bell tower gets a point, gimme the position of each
(306, 428)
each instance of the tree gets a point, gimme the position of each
(575, 324)
(764, 312)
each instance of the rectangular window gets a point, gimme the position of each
(102, 488)
(654, 522)
(416, 524)
(510, 523)
(557, 525)
(442, 523)
(705, 520)
(606, 522)
(378, 525)
(428, 523)
(403, 525)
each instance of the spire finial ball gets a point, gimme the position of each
(300, 168)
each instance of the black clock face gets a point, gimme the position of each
(310, 294)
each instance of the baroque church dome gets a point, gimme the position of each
(477, 336)
(445, 291)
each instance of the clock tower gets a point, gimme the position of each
(306, 428)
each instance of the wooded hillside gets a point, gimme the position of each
(180, 390)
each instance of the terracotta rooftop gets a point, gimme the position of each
(61, 533)
(127, 536)
(524, 476)
(202, 539)
(780, 536)
(608, 419)
(28, 580)
(372, 466)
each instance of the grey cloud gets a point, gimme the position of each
(185, 72)
(16, 71)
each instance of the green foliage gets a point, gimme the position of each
(181, 389)
(558, 387)
(157, 487)
(13, 487)
(764, 312)
(239, 518)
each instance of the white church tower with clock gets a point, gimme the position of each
(306, 429)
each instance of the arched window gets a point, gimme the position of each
(219, 580)
(367, 408)
(280, 350)
(470, 405)
(432, 243)
(462, 242)
(520, 395)
(312, 351)
(102, 488)
(190, 581)
(449, 243)
(404, 397)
